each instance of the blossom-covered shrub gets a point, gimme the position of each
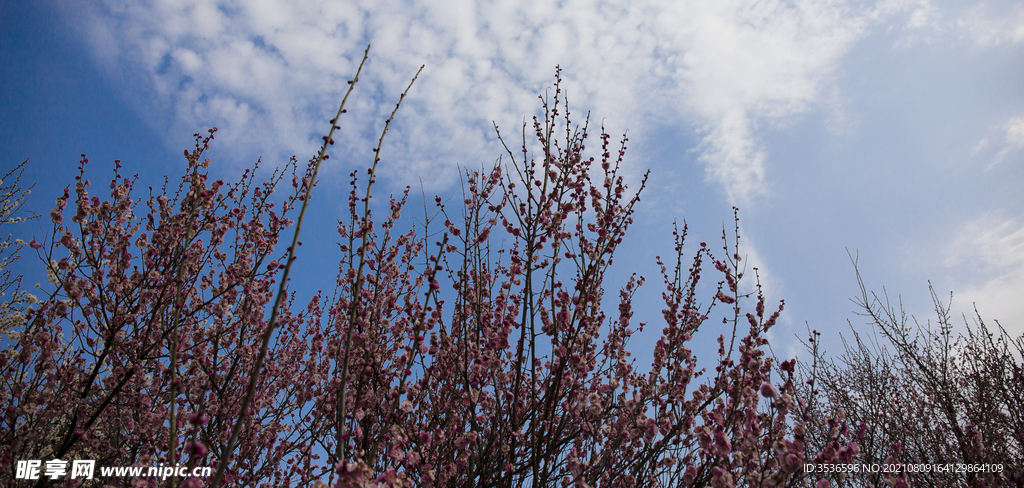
(476, 351)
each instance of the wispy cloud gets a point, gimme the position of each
(993, 23)
(1014, 139)
(267, 72)
(1012, 134)
(988, 257)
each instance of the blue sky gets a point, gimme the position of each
(894, 129)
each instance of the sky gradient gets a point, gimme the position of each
(893, 130)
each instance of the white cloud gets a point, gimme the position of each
(993, 23)
(1014, 139)
(987, 256)
(979, 147)
(267, 72)
(913, 20)
(922, 17)
(1011, 133)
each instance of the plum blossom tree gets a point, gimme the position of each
(473, 352)
(925, 395)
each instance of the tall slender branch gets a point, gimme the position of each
(278, 301)
(341, 444)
